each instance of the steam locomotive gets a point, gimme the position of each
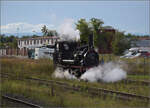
(75, 57)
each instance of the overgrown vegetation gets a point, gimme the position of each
(8, 41)
(44, 69)
(120, 43)
(64, 98)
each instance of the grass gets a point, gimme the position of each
(44, 69)
(62, 97)
(140, 77)
(138, 89)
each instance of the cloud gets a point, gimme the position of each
(66, 28)
(23, 27)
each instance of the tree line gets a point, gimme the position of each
(8, 41)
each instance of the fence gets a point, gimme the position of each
(14, 52)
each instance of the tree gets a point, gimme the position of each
(120, 43)
(104, 40)
(91, 27)
(96, 24)
(47, 32)
(8, 41)
(52, 33)
(84, 29)
(96, 27)
(102, 37)
(2, 38)
(44, 30)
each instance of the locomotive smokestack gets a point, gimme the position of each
(91, 43)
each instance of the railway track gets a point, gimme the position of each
(21, 101)
(126, 81)
(91, 90)
(137, 82)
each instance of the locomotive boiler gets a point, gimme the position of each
(75, 57)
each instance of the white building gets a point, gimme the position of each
(32, 43)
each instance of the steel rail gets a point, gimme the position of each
(138, 82)
(21, 101)
(142, 82)
(95, 90)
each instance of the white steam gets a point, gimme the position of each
(59, 73)
(108, 72)
(67, 32)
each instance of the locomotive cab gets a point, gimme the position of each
(63, 53)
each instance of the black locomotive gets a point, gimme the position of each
(74, 57)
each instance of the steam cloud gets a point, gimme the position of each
(59, 73)
(109, 72)
(67, 32)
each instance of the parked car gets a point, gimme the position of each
(136, 52)
(144, 53)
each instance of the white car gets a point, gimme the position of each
(131, 54)
(128, 55)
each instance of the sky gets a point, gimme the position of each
(29, 16)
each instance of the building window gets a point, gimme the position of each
(27, 42)
(52, 41)
(34, 42)
(30, 42)
(37, 41)
(19, 42)
(41, 41)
